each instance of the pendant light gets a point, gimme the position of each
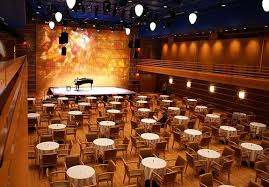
(51, 25)
(192, 18)
(127, 31)
(71, 3)
(139, 10)
(265, 5)
(152, 26)
(58, 16)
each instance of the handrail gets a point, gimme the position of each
(230, 69)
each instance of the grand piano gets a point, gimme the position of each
(81, 81)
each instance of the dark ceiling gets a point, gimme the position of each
(171, 16)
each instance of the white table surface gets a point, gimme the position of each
(167, 101)
(208, 153)
(75, 113)
(228, 128)
(57, 126)
(47, 147)
(256, 124)
(115, 103)
(117, 97)
(48, 105)
(148, 120)
(253, 148)
(193, 132)
(215, 116)
(150, 136)
(84, 104)
(91, 97)
(173, 108)
(31, 99)
(151, 164)
(141, 102)
(142, 96)
(62, 98)
(33, 115)
(192, 100)
(113, 111)
(81, 175)
(181, 117)
(144, 110)
(164, 96)
(107, 123)
(103, 142)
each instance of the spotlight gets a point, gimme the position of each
(212, 88)
(188, 84)
(139, 10)
(71, 3)
(51, 25)
(192, 18)
(127, 31)
(152, 26)
(265, 5)
(171, 80)
(58, 16)
(242, 94)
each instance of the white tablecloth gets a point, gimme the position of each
(150, 138)
(46, 105)
(239, 115)
(181, 120)
(57, 127)
(148, 122)
(229, 131)
(61, 99)
(31, 99)
(47, 147)
(212, 118)
(115, 103)
(103, 144)
(81, 175)
(113, 111)
(253, 148)
(209, 155)
(142, 97)
(167, 101)
(144, 111)
(34, 116)
(193, 135)
(105, 125)
(83, 104)
(141, 102)
(90, 98)
(192, 102)
(257, 127)
(200, 109)
(74, 113)
(151, 164)
(117, 97)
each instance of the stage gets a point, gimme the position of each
(95, 91)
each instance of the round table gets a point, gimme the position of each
(31, 99)
(57, 127)
(75, 113)
(144, 111)
(225, 185)
(164, 96)
(113, 111)
(212, 118)
(34, 116)
(48, 105)
(174, 110)
(192, 101)
(150, 138)
(105, 125)
(114, 103)
(142, 97)
(227, 130)
(209, 155)
(90, 98)
(181, 120)
(167, 101)
(148, 122)
(103, 144)
(254, 150)
(239, 115)
(47, 147)
(81, 175)
(83, 104)
(151, 164)
(61, 99)
(257, 127)
(193, 135)
(141, 102)
(200, 109)
(117, 97)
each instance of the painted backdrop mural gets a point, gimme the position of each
(102, 56)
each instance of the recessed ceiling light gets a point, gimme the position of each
(121, 20)
(265, 26)
(39, 6)
(196, 12)
(223, 5)
(226, 30)
(130, 1)
(245, 28)
(164, 6)
(37, 12)
(93, 26)
(95, 18)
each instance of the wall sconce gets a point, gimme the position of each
(171, 80)
(212, 88)
(188, 84)
(242, 94)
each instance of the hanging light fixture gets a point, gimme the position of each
(152, 26)
(192, 18)
(265, 5)
(51, 25)
(127, 31)
(139, 10)
(71, 3)
(58, 16)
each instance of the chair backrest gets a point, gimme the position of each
(145, 152)
(49, 159)
(237, 151)
(194, 146)
(254, 184)
(134, 125)
(190, 159)
(169, 177)
(111, 166)
(58, 135)
(177, 136)
(265, 144)
(191, 124)
(72, 160)
(156, 128)
(126, 140)
(206, 179)
(227, 166)
(45, 138)
(91, 136)
(110, 154)
(114, 130)
(264, 182)
(180, 161)
(234, 138)
(32, 122)
(161, 146)
(227, 152)
(140, 130)
(205, 141)
(99, 119)
(261, 165)
(55, 121)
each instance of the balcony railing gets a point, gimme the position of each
(228, 69)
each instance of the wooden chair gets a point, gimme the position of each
(225, 166)
(122, 145)
(114, 132)
(137, 144)
(234, 140)
(206, 180)
(240, 155)
(254, 184)
(193, 147)
(265, 146)
(87, 150)
(91, 136)
(134, 125)
(64, 150)
(132, 170)
(179, 166)
(160, 147)
(32, 123)
(47, 160)
(196, 165)
(45, 138)
(71, 131)
(177, 137)
(57, 179)
(167, 179)
(156, 128)
(59, 136)
(261, 168)
(72, 160)
(205, 141)
(227, 153)
(105, 172)
(109, 154)
(144, 153)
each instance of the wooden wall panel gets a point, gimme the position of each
(147, 82)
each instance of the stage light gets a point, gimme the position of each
(127, 31)
(71, 3)
(139, 10)
(152, 26)
(188, 84)
(192, 18)
(212, 88)
(265, 5)
(171, 80)
(51, 25)
(58, 16)
(242, 94)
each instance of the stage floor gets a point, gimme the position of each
(56, 91)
